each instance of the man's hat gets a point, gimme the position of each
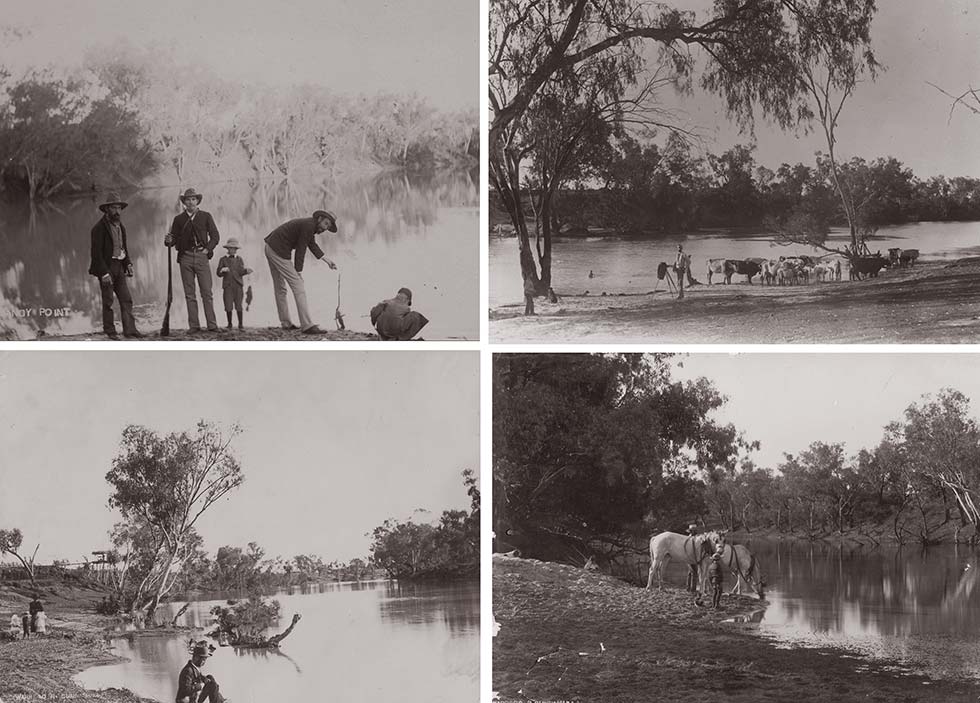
(332, 227)
(113, 199)
(201, 650)
(191, 193)
(232, 244)
(408, 294)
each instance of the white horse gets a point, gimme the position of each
(687, 549)
(744, 567)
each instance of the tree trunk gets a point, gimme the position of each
(274, 641)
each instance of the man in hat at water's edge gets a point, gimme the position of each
(296, 236)
(110, 263)
(194, 235)
(193, 686)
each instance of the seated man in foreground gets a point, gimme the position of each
(394, 319)
(192, 685)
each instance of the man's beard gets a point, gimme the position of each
(115, 216)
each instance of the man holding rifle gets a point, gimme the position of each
(195, 236)
(296, 236)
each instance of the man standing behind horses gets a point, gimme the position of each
(195, 236)
(296, 236)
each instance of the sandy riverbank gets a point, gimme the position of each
(41, 668)
(569, 634)
(934, 302)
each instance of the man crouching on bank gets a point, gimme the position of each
(194, 686)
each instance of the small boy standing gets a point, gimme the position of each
(232, 270)
(25, 622)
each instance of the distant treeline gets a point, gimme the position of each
(128, 115)
(651, 188)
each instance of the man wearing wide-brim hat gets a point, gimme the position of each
(193, 685)
(110, 263)
(194, 235)
(296, 236)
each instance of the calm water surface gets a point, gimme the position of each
(629, 265)
(393, 232)
(918, 607)
(379, 641)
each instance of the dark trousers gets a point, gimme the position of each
(210, 692)
(27, 629)
(715, 594)
(528, 304)
(233, 296)
(117, 287)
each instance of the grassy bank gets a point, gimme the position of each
(41, 668)
(574, 635)
(934, 302)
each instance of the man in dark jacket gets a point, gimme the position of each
(110, 263)
(194, 235)
(394, 319)
(296, 236)
(193, 686)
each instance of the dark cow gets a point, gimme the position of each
(745, 268)
(866, 266)
(908, 257)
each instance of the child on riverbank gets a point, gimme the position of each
(41, 621)
(232, 270)
(15, 625)
(25, 622)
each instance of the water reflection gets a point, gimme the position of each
(372, 641)
(918, 606)
(395, 231)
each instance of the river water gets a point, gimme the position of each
(919, 607)
(393, 232)
(629, 265)
(371, 642)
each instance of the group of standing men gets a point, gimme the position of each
(195, 236)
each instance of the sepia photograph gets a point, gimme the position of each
(194, 526)
(756, 527)
(215, 171)
(746, 172)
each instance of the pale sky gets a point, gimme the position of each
(351, 46)
(787, 401)
(334, 442)
(899, 114)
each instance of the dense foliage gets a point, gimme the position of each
(649, 188)
(448, 548)
(128, 114)
(600, 445)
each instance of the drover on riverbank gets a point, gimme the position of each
(569, 634)
(934, 302)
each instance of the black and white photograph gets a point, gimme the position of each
(699, 172)
(239, 526)
(239, 171)
(755, 527)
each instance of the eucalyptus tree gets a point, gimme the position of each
(753, 54)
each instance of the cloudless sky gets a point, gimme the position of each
(899, 114)
(351, 46)
(333, 444)
(786, 401)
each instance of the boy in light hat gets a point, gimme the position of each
(232, 270)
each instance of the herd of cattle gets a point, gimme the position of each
(795, 270)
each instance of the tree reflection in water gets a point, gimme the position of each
(44, 249)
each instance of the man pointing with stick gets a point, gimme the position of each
(296, 236)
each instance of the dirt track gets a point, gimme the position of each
(568, 634)
(936, 302)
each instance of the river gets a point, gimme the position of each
(393, 231)
(919, 607)
(628, 265)
(371, 642)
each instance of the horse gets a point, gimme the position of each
(688, 549)
(744, 566)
